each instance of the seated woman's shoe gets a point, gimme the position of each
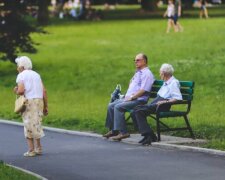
(147, 141)
(154, 138)
(142, 140)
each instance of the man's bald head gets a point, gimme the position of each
(142, 56)
(141, 61)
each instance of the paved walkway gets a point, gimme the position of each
(71, 156)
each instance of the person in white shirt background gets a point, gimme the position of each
(30, 85)
(170, 11)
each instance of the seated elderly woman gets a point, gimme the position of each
(169, 92)
(30, 85)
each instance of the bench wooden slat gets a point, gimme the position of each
(186, 91)
(158, 82)
(155, 89)
(183, 91)
(182, 83)
(187, 97)
(187, 84)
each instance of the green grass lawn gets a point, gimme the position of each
(9, 173)
(81, 63)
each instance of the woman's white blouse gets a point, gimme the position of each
(32, 84)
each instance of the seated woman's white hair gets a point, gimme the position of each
(167, 69)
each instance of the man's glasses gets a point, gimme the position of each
(137, 60)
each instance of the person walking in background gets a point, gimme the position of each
(30, 85)
(177, 14)
(203, 9)
(137, 93)
(170, 14)
(168, 93)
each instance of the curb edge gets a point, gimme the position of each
(27, 171)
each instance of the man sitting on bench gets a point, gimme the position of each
(137, 93)
(169, 92)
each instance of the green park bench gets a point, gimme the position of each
(187, 91)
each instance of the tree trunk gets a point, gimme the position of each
(149, 5)
(187, 4)
(43, 13)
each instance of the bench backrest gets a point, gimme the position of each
(186, 88)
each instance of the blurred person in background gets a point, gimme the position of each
(177, 14)
(169, 13)
(203, 9)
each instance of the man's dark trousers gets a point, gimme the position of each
(141, 112)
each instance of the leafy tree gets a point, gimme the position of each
(43, 13)
(15, 29)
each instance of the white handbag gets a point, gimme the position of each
(20, 104)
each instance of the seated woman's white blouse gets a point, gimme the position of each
(170, 89)
(32, 84)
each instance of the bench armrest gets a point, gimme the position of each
(174, 103)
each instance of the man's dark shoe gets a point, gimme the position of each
(147, 141)
(110, 134)
(143, 139)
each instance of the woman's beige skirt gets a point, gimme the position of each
(32, 118)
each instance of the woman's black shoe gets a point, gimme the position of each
(142, 140)
(147, 141)
(154, 138)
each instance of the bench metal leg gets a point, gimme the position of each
(189, 127)
(163, 124)
(158, 128)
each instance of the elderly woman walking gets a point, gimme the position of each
(30, 85)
